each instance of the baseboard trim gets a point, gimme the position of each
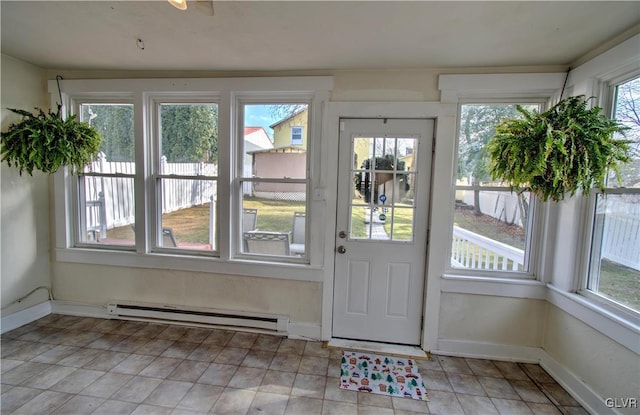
(26, 316)
(581, 392)
(305, 331)
(81, 310)
(493, 351)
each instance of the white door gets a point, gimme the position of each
(381, 235)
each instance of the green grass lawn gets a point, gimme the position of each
(620, 283)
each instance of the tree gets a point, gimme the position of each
(477, 127)
(115, 124)
(627, 112)
(189, 132)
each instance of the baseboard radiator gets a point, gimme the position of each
(277, 324)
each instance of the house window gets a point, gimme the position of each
(296, 135)
(614, 269)
(492, 229)
(186, 176)
(105, 188)
(273, 182)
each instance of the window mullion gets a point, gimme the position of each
(144, 186)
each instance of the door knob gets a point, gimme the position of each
(342, 249)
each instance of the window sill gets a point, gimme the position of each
(244, 267)
(497, 286)
(621, 330)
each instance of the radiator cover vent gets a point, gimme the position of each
(200, 316)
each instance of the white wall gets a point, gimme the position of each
(25, 226)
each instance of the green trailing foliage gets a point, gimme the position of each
(46, 142)
(565, 149)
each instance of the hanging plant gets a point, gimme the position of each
(565, 149)
(46, 142)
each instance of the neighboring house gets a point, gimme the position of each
(292, 131)
(287, 158)
(282, 162)
(255, 139)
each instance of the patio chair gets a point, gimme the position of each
(267, 243)
(297, 233)
(168, 239)
(249, 219)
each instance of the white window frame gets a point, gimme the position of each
(238, 179)
(154, 192)
(534, 218)
(228, 90)
(501, 89)
(77, 190)
(606, 87)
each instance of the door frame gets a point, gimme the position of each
(441, 184)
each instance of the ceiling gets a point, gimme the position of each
(308, 35)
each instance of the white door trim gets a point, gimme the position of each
(444, 115)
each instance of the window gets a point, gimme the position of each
(492, 228)
(273, 181)
(296, 135)
(194, 175)
(186, 173)
(614, 269)
(105, 188)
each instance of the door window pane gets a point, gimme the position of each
(382, 206)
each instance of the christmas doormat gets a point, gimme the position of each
(384, 375)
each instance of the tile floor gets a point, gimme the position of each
(77, 365)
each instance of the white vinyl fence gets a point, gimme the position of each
(621, 235)
(112, 198)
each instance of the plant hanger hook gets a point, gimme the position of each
(58, 78)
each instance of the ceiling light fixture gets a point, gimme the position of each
(179, 4)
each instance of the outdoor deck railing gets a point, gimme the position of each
(471, 250)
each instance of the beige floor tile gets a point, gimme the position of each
(218, 374)
(200, 398)
(247, 378)
(339, 408)
(106, 385)
(310, 386)
(300, 405)
(161, 367)
(79, 405)
(169, 393)
(444, 403)
(268, 404)
(233, 401)
(476, 405)
(136, 390)
(277, 381)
